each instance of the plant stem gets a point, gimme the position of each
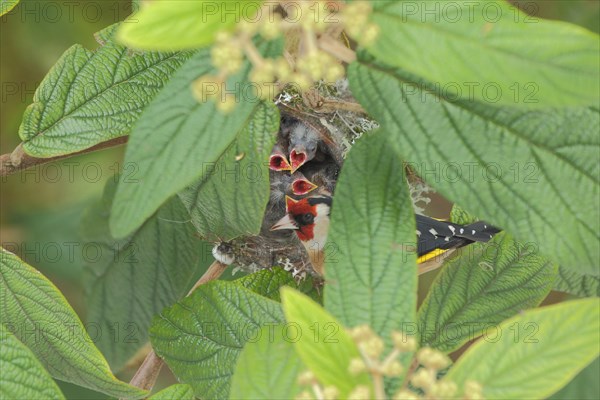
(146, 375)
(336, 49)
(378, 385)
(18, 160)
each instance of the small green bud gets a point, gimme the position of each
(357, 366)
(330, 393)
(360, 392)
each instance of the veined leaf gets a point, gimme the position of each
(491, 51)
(177, 140)
(577, 284)
(183, 24)
(516, 169)
(201, 336)
(40, 317)
(178, 391)
(322, 342)
(372, 260)
(131, 280)
(23, 377)
(230, 202)
(7, 5)
(548, 346)
(268, 282)
(483, 286)
(267, 368)
(89, 97)
(585, 386)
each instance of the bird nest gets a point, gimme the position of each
(332, 111)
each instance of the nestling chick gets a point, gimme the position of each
(278, 160)
(324, 174)
(303, 142)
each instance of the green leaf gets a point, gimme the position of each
(484, 285)
(89, 97)
(183, 24)
(577, 284)
(178, 391)
(491, 51)
(547, 346)
(267, 368)
(268, 282)
(39, 316)
(176, 141)
(322, 342)
(7, 5)
(129, 281)
(23, 377)
(201, 336)
(371, 243)
(460, 216)
(230, 201)
(585, 386)
(525, 171)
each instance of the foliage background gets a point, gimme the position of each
(40, 213)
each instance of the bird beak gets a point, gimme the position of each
(284, 223)
(297, 159)
(278, 162)
(302, 186)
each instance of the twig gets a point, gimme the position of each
(337, 49)
(18, 160)
(146, 375)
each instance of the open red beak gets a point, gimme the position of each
(297, 159)
(302, 186)
(278, 162)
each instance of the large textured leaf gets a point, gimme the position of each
(491, 51)
(561, 340)
(577, 284)
(267, 283)
(133, 279)
(585, 386)
(40, 317)
(267, 368)
(7, 5)
(89, 97)
(175, 392)
(182, 24)
(23, 377)
(372, 266)
(231, 201)
(176, 141)
(485, 285)
(200, 337)
(533, 173)
(322, 342)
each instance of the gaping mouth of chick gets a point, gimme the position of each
(278, 162)
(297, 159)
(301, 187)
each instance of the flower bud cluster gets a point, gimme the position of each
(421, 379)
(310, 63)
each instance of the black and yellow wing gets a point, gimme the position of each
(435, 237)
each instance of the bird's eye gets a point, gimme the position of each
(308, 219)
(305, 219)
